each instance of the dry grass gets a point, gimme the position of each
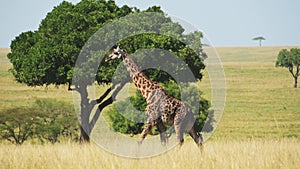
(272, 154)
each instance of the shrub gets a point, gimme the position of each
(47, 120)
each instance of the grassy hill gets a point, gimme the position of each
(261, 101)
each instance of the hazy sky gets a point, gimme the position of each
(224, 22)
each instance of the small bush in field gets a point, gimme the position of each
(46, 119)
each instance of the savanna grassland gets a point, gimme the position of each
(260, 127)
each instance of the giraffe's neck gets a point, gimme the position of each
(141, 81)
(130, 65)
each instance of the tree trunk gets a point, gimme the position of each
(85, 112)
(295, 74)
(84, 137)
(87, 106)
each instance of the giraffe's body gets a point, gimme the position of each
(162, 109)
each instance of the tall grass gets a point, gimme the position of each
(252, 153)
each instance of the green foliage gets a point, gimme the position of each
(17, 124)
(47, 120)
(288, 58)
(128, 116)
(175, 46)
(55, 119)
(128, 121)
(291, 60)
(47, 56)
(259, 38)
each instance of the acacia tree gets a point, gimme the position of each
(48, 55)
(17, 124)
(291, 60)
(259, 38)
(54, 120)
(46, 120)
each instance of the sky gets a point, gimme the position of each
(223, 22)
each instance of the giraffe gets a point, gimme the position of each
(162, 109)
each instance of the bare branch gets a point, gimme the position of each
(104, 104)
(291, 69)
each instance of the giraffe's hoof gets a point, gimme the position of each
(140, 141)
(164, 142)
(200, 142)
(163, 139)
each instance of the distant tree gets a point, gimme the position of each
(259, 38)
(291, 60)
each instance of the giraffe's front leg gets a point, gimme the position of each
(146, 130)
(179, 134)
(178, 125)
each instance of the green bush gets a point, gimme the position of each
(126, 121)
(47, 120)
(17, 124)
(55, 119)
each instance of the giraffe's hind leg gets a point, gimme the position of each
(162, 131)
(197, 137)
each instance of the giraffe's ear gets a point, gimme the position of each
(121, 49)
(118, 46)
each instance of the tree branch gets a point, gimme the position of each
(69, 87)
(291, 69)
(104, 104)
(93, 103)
(101, 98)
(13, 135)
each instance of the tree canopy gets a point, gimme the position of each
(47, 55)
(259, 38)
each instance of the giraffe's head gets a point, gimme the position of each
(116, 53)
